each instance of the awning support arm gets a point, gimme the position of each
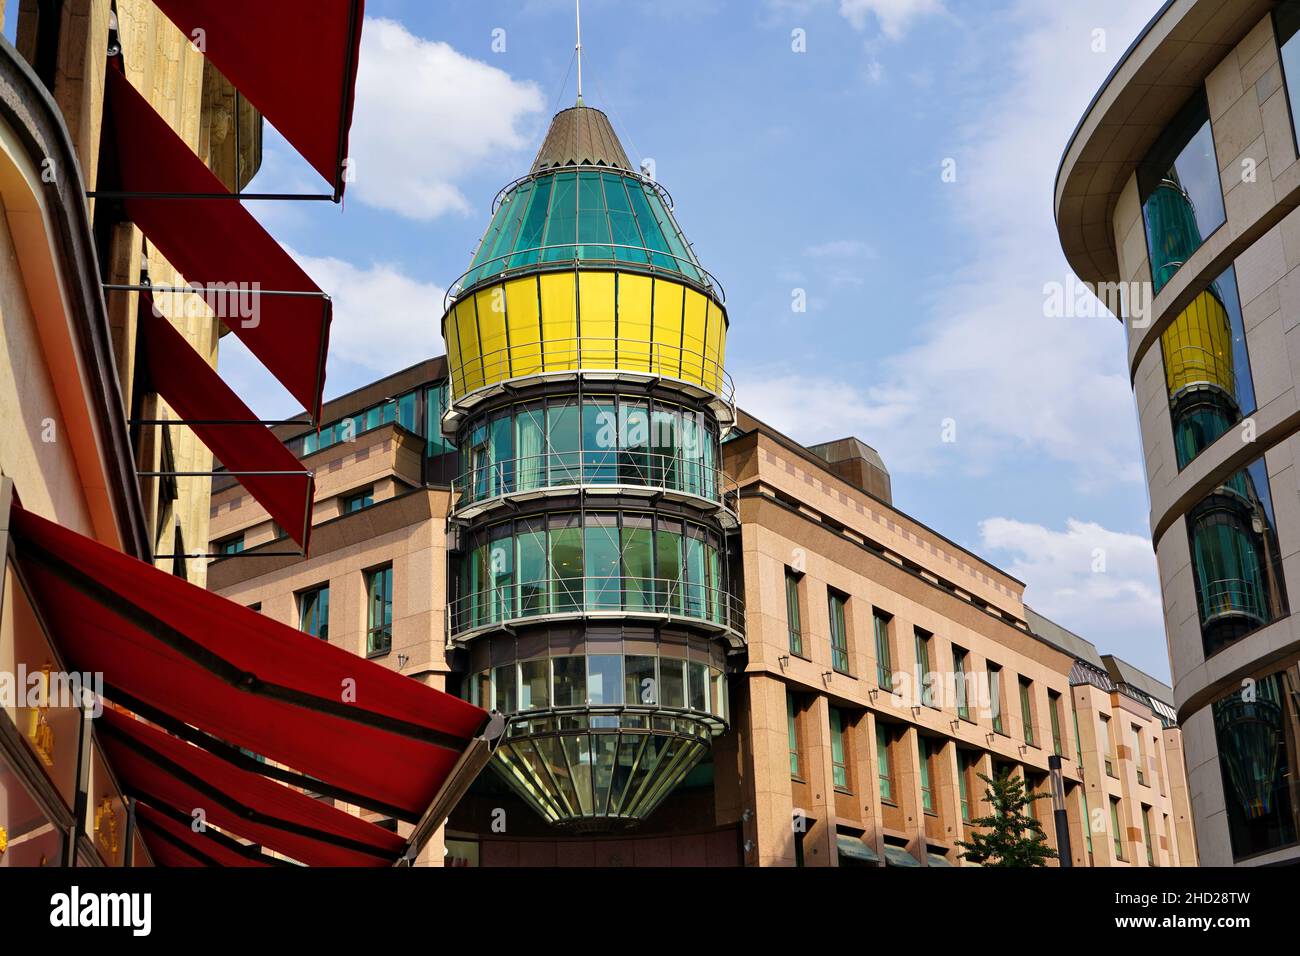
(466, 769)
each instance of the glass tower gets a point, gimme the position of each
(592, 593)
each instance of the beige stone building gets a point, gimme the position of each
(1181, 183)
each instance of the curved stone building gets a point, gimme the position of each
(591, 587)
(1176, 196)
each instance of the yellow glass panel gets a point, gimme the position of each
(559, 321)
(634, 296)
(596, 307)
(525, 329)
(471, 356)
(1197, 346)
(694, 318)
(666, 356)
(722, 350)
(713, 337)
(452, 340)
(491, 304)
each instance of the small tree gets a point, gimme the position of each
(1011, 836)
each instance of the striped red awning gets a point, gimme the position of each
(233, 682)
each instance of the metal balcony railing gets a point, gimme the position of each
(600, 468)
(613, 596)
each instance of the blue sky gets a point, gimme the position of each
(820, 170)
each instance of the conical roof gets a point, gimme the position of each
(581, 136)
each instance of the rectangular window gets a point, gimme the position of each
(1109, 741)
(924, 678)
(1236, 563)
(964, 763)
(231, 545)
(1139, 756)
(379, 612)
(839, 631)
(792, 729)
(1180, 190)
(1146, 836)
(959, 657)
(884, 661)
(1027, 709)
(569, 678)
(883, 735)
(793, 620)
(839, 765)
(1286, 23)
(314, 612)
(927, 791)
(1117, 835)
(535, 684)
(358, 501)
(1054, 712)
(995, 697)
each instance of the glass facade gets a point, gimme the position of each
(583, 216)
(1235, 561)
(1180, 191)
(419, 412)
(600, 440)
(1257, 730)
(571, 563)
(1207, 369)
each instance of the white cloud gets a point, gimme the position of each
(1014, 381)
(425, 116)
(1097, 582)
(893, 16)
(384, 321)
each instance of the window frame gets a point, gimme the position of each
(385, 629)
(841, 658)
(316, 591)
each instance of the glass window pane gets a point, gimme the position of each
(534, 684)
(605, 679)
(569, 681)
(562, 223)
(634, 438)
(593, 223)
(565, 440)
(530, 233)
(601, 562)
(641, 682)
(672, 685)
(638, 565)
(503, 686)
(668, 569)
(599, 441)
(626, 236)
(531, 551)
(529, 446)
(566, 568)
(698, 679)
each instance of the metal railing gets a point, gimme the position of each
(1194, 365)
(581, 256)
(1233, 596)
(600, 468)
(585, 596)
(591, 353)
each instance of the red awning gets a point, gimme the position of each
(168, 774)
(249, 451)
(217, 244)
(173, 843)
(230, 677)
(295, 60)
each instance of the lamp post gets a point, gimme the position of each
(1058, 811)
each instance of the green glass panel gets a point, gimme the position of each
(534, 225)
(623, 227)
(593, 220)
(566, 568)
(601, 561)
(562, 222)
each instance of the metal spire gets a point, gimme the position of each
(577, 5)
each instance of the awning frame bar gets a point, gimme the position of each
(210, 833)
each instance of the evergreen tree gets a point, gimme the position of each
(1010, 837)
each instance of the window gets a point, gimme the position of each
(535, 683)
(358, 501)
(839, 765)
(1180, 190)
(793, 731)
(1207, 368)
(792, 612)
(839, 631)
(1146, 836)
(1109, 742)
(923, 748)
(924, 677)
(379, 613)
(959, 657)
(883, 735)
(570, 681)
(995, 697)
(314, 612)
(1054, 712)
(1027, 710)
(1116, 834)
(1286, 23)
(1139, 756)
(1236, 564)
(1257, 739)
(884, 662)
(230, 545)
(965, 761)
